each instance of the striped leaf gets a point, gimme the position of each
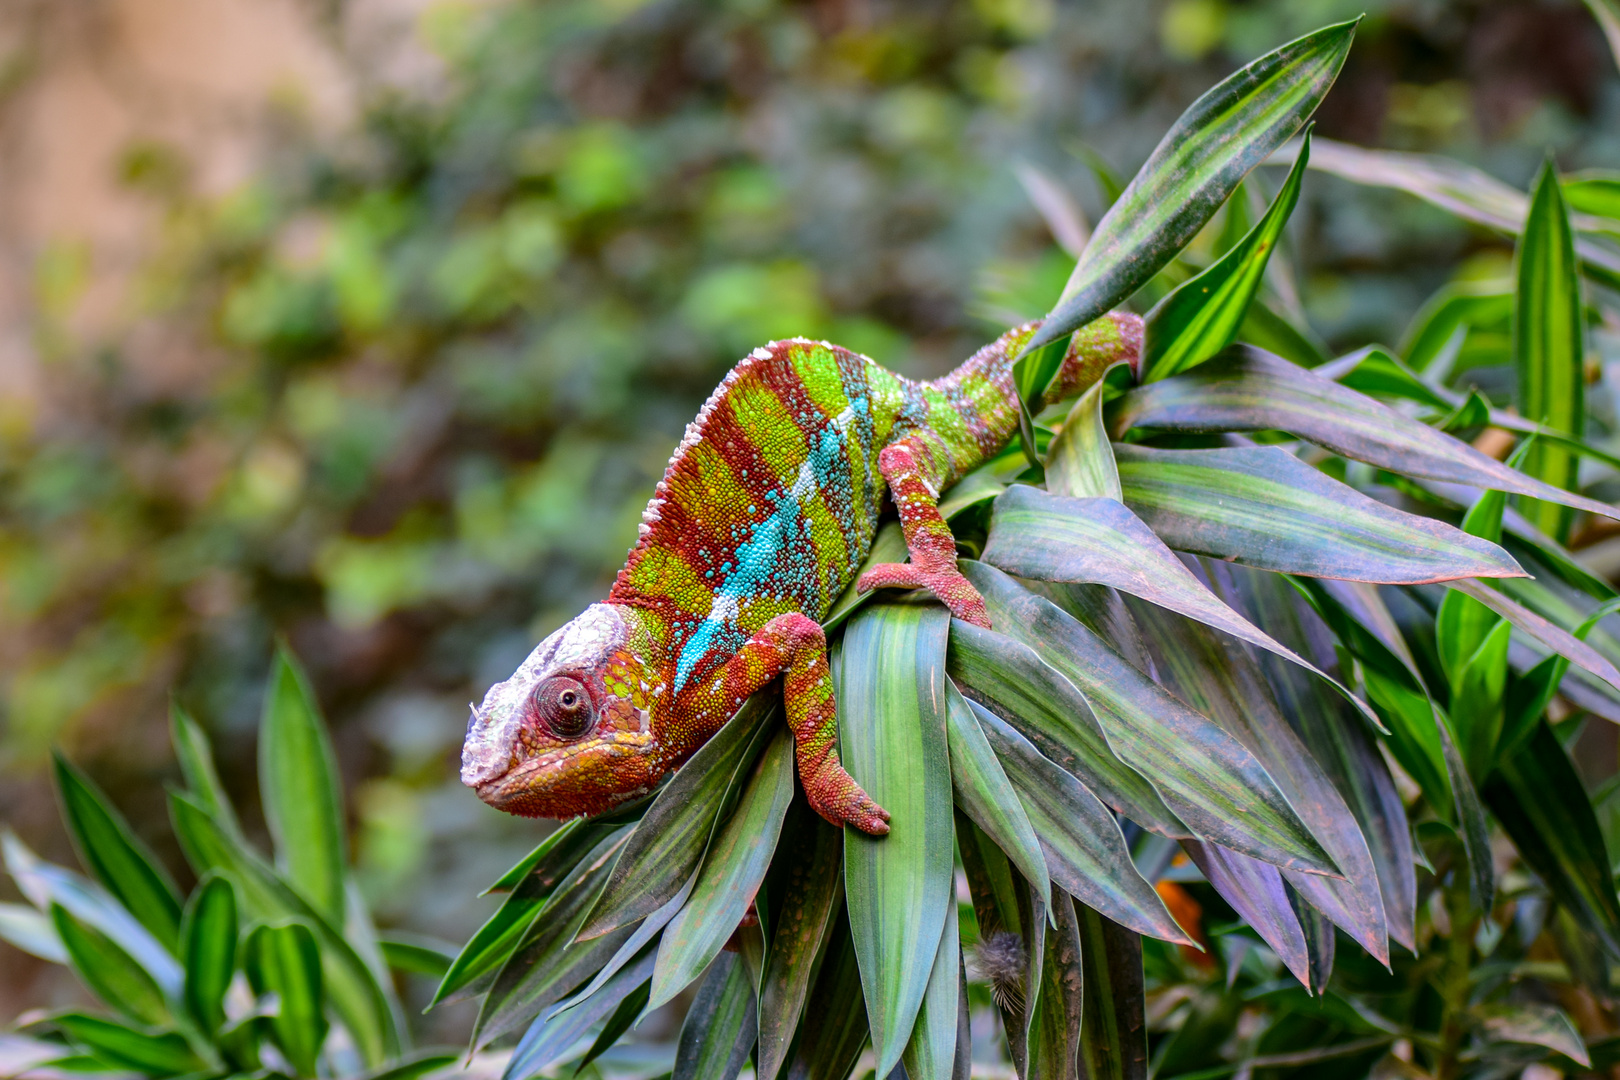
(1262, 506)
(1245, 389)
(984, 793)
(719, 1029)
(1113, 1031)
(1549, 345)
(1053, 538)
(131, 1049)
(834, 1029)
(1200, 161)
(1081, 840)
(931, 1053)
(360, 1001)
(298, 781)
(1210, 780)
(732, 872)
(549, 1038)
(111, 973)
(891, 713)
(1054, 1035)
(112, 853)
(811, 853)
(667, 845)
(285, 961)
(998, 670)
(208, 936)
(1202, 316)
(1079, 461)
(196, 757)
(1258, 893)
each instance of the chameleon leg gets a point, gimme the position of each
(794, 646)
(928, 538)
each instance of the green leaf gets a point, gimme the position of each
(110, 972)
(1245, 389)
(1113, 1033)
(541, 860)
(1593, 191)
(732, 872)
(1054, 1035)
(983, 792)
(1456, 188)
(364, 1006)
(1262, 506)
(196, 757)
(1227, 683)
(31, 931)
(550, 962)
(623, 1018)
(719, 1029)
(1079, 461)
(931, 1053)
(834, 1027)
(419, 957)
(1535, 1025)
(1549, 344)
(285, 961)
(111, 852)
(1271, 331)
(1554, 637)
(1538, 797)
(1210, 780)
(1079, 837)
(208, 946)
(1374, 371)
(1050, 711)
(551, 1037)
(1199, 162)
(1607, 14)
(812, 856)
(1339, 742)
(1203, 315)
(668, 843)
(1460, 305)
(298, 782)
(414, 1066)
(124, 1047)
(1048, 537)
(545, 868)
(891, 720)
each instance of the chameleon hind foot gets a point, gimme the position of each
(948, 586)
(835, 795)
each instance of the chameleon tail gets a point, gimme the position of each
(1095, 348)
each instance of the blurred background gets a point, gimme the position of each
(370, 324)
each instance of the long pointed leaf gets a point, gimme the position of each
(732, 872)
(931, 1053)
(1081, 840)
(1262, 506)
(299, 785)
(720, 1027)
(208, 936)
(196, 757)
(110, 972)
(891, 712)
(1054, 1038)
(984, 793)
(668, 843)
(1549, 344)
(1257, 892)
(1000, 671)
(285, 961)
(1554, 637)
(813, 896)
(1052, 538)
(1202, 316)
(834, 1028)
(1200, 161)
(113, 854)
(1208, 778)
(1246, 389)
(551, 1037)
(1113, 1033)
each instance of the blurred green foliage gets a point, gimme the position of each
(435, 367)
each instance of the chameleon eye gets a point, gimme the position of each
(565, 707)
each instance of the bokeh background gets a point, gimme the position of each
(370, 324)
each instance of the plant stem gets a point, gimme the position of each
(1454, 981)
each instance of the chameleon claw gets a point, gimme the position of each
(948, 586)
(836, 796)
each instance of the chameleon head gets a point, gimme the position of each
(570, 732)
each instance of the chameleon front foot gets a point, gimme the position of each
(948, 586)
(835, 795)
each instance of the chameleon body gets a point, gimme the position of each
(762, 520)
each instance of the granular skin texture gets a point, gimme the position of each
(766, 512)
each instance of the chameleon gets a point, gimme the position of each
(764, 516)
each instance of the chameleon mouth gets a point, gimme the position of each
(580, 780)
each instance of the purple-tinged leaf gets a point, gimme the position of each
(1248, 389)
(1554, 637)
(1261, 506)
(1257, 893)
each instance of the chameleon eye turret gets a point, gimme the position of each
(766, 512)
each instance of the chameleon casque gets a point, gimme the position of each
(767, 510)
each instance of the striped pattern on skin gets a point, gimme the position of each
(766, 511)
